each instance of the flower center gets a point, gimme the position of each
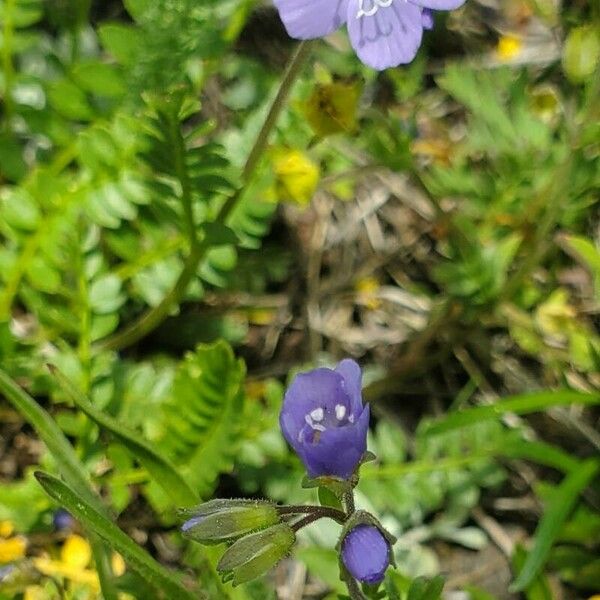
(367, 8)
(322, 418)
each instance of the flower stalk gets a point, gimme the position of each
(152, 318)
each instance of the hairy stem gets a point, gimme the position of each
(321, 511)
(354, 590)
(307, 520)
(152, 318)
(349, 502)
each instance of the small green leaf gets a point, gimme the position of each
(99, 78)
(328, 498)
(105, 294)
(426, 589)
(122, 41)
(70, 101)
(140, 561)
(559, 507)
(19, 209)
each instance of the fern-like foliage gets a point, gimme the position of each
(201, 420)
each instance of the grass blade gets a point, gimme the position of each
(160, 468)
(520, 405)
(562, 502)
(139, 560)
(68, 464)
(51, 434)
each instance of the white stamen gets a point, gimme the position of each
(351, 418)
(317, 414)
(340, 411)
(316, 426)
(377, 4)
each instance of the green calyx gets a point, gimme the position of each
(254, 554)
(220, 521)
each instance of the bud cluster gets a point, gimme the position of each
(323, 418)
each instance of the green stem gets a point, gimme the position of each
(183, 176)
(354, 590)
(322, 511)
(156, 315)
(307, 520)
(349, 502)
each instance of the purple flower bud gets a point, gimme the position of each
(324, 420)
(366, 554)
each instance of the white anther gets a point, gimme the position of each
(316, 426)
(351, 418)
(317, 414)
(340, 411)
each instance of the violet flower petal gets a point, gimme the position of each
(309, 19)
(307, 392)
(427, 19)
(352, 375)
(439, 4)
(366, 554)
(338, 450)
(387, 38)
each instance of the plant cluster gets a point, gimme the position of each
(198, 213)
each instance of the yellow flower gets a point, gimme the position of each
(296, 176)
(509, 47)
(12, 549)
(6, 529)
(76, 552)
(332, 107)
(118, 564)
(34, 592)
(75, 555)
(367, 289)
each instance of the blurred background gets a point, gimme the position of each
(438, 222)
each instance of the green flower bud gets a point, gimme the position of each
(220, 521)
(255, 554)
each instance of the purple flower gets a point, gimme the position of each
(383, 33)
(366, 554)
(63, 520)
(427, 19)
(324, 420)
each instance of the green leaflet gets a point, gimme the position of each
(203, 416)
(157, 575)
(159, 467)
